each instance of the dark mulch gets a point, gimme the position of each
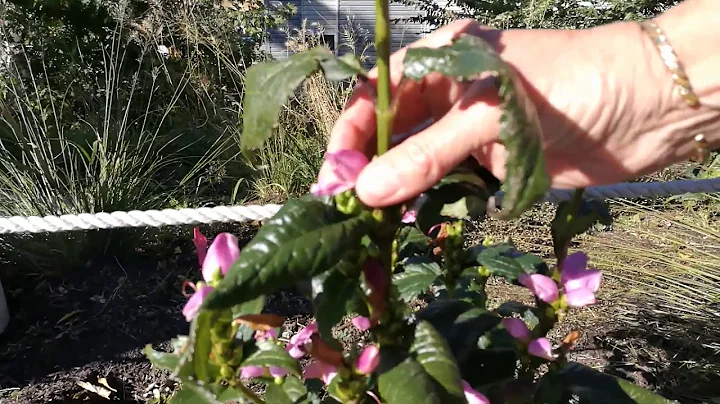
(94, 322)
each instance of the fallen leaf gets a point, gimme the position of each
(99, 390)
(261, 322)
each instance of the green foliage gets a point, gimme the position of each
(526, 179)
(305, 238)
(506, 14)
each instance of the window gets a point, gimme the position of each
(329, 41)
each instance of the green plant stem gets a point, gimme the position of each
(383, 109)
(561, 250)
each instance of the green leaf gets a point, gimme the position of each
(402, 380)
(434, 355)
(412, 241)
(571, 220)
(201, 345)
(451, 202)
(334, 302)
(194, 393)
(268, 86)
(417, 278)
(343, 67)
(162, 360)
(291, 391)
(597, 387)
(459, 322)
(504, 260)
(270, 353)
(254, 306)
(305, 238)
(466, 58)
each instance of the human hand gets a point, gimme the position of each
(606, 103)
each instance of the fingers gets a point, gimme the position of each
(421, 161)
(418, 101)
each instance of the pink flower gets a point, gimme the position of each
(249, 372)
(541, 348)
(339, 172)
(201, 244)
(368, 360)
(473, 396)
(541, 286)
(223, 253)
(580, 284)
(196, 300)
(319, 370)
(361, 323)
(517, 328)
(409, 216)
(298, 341)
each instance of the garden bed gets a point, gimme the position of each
(92, 326)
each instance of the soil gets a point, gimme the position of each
(94, 323)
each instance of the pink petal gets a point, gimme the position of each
(541, 286)
(409, 216)
(589, 279)
(298, 341)
(473, 396)
(516, 328)
(574, 264)
(339, 172)
(541, 348)
(223, 252)
(319, 370)
(368, 360)
(265, 335)
(249, 372)
(580, 297)
(277, 371)
(195, 302)
(361, 323)
(201, 244)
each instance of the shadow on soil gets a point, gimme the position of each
(680, 358)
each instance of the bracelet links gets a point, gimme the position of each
(682, 82)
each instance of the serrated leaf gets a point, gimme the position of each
(466, 58)
(451, 202)
(343, 67)
(417, 278)
(274, 393)
(269, 354)
(305, 238)
(433, 354)
(411, 241)
(402, 380)
(268, 86)
(503, 260)
(597, 387)
(332, 304)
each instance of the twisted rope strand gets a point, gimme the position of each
(225, 214)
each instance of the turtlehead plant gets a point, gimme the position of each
(370, 264)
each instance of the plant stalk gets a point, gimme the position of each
(383, 110)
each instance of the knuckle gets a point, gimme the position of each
(421, 158)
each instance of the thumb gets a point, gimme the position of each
(418, 163)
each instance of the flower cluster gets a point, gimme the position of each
(215, 262)
(579, 284)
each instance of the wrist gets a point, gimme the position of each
(693, 29)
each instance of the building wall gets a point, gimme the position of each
(337, 16)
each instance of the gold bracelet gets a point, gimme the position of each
(685, 89)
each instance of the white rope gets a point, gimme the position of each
(175, 217)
